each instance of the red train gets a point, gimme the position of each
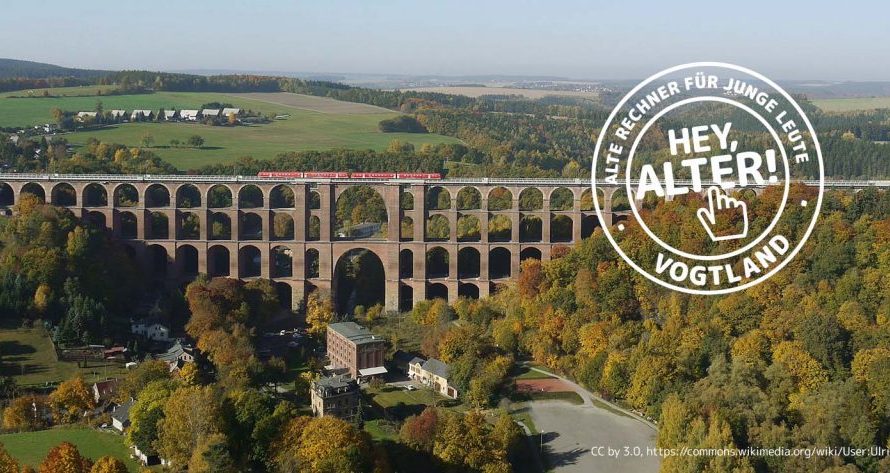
(347, 175)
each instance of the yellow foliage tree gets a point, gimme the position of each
(70, 400)
(319, 313)
(109, 464)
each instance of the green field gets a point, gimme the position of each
(31, 447)
(303, 130)
(852, 104)
(28, 357)
(62, 91)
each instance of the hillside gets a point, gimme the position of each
(16, 68)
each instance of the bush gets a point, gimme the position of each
(402, 124)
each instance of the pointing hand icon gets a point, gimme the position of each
(718, 202)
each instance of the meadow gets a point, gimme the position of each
(312, 124)
(852, 104)
(30, 448)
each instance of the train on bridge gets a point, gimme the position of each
(348, 175)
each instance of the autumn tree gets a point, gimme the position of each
(26, 413)
(322, 444)
(319, 313)
(65, 458)
(7, 463)
(419, 431)
(109, 464)
(70, 400)
(190, 414)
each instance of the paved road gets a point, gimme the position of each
(570, 431)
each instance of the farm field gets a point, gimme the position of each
(28, 356)
(328, 124)
(31, 448)
(476, 91)
(852, 104)
(78, 91)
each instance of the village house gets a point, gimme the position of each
(150, 329)
(120, 416)
(336, 396)
(116, 114)
(177, 356)
(434, 374)
(170, 115)
(81, 116)
(355, 349)
(189, 115)
(210, 113)
(229, 111)
(142, 115)
(104, 390)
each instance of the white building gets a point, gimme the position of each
(169, 115)
(432, 373)
(151, 330)
(228, 111)
(143, 114)
(189, 115)
(210, 112)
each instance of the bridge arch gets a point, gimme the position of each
(499, 263)
(7, 195)
(188, 196)
(437, 263)
(187, 261)
(312, 263)
(158, 226)
(469, 198)
(97, 219)
(157, 261)
(561, 229)
(250, 262)
(530, 252)
(95, 195)
(531, 199)
(220, 226)
(157, 195)
(469, 263)
(438, 198)
(281, 197)
(561, 199)
(34, 189)
(438, 228)
(282, 226)
(125, 195)
(406, 297)
(500, 228)
(282, 264)
(406, 229)
(406, 199)
(468, 290)
(63, 194)
(586, 202)
(500, 198)
(406, 264)
(436, 290)
(218, 261)
(129, 225)
(358, 280)
(189, 226)
(219, 197)
(468, 228)
(361, 213)
(313, 233)
(530, 228)
(251, 226)
(250, 196)
(589, 224)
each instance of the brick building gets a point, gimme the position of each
(355, 349)
(336, 396)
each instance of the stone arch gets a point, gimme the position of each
(157, 261)
(469, 263)
(468, 290)
(406, 264)
(406, 199)
(530, 252)
(500, 198)
(129, 225)
(620, 201)
(468, 228)
(531, 199)
(437, 228)
(406, 297)
(406, 230)
(250, 196)
(220, 226)
(589, 224)
(311, 260)
(158, 226)
(285, 294)
(126, 195)
(561, 228)
(63, 194)
(499, 263)
(436, 291)
(282, 226)
(250, 262)
(586, 202)
(313, 233)
(157, 195)
(34, 189)
(469, 198)
(360, 213)
(437, 263)
(188, 196)
(97, 219)
(189, 226)
(95, 195)
(282, 263)
(281, 197)
(7, 195)
(359, 279)
(562, 199)
(314, 199)
(218, 261)
(187, 260)
(500, 228)
(251, 226)
(219, 197)
(530, 228)
(438, 198)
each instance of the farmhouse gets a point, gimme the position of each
(210, 112)
(336, 396)
(120, 416)
(432, 373)
(150, 329)
(142, 115)
(170, 115)
(189, 115)
(355, 349)
(104, 390)
(176, 356)
(81, 116)
(228, 111)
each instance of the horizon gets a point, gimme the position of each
(461, 39)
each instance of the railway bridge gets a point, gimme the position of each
(440, 238)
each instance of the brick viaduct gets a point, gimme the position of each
(286, 230)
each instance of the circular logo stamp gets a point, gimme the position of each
(707, 178)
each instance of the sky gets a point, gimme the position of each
(616, 39)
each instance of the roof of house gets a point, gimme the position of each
(122, 411)
(372, 371)
(335, 382)
(416, 361)
(227, 111)
(106, 387)
(173, 353)
(354, 332)
(210, 111)
(86, 114)
(169, 113)
(188, 113)
(436, 367)
(144, 112)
